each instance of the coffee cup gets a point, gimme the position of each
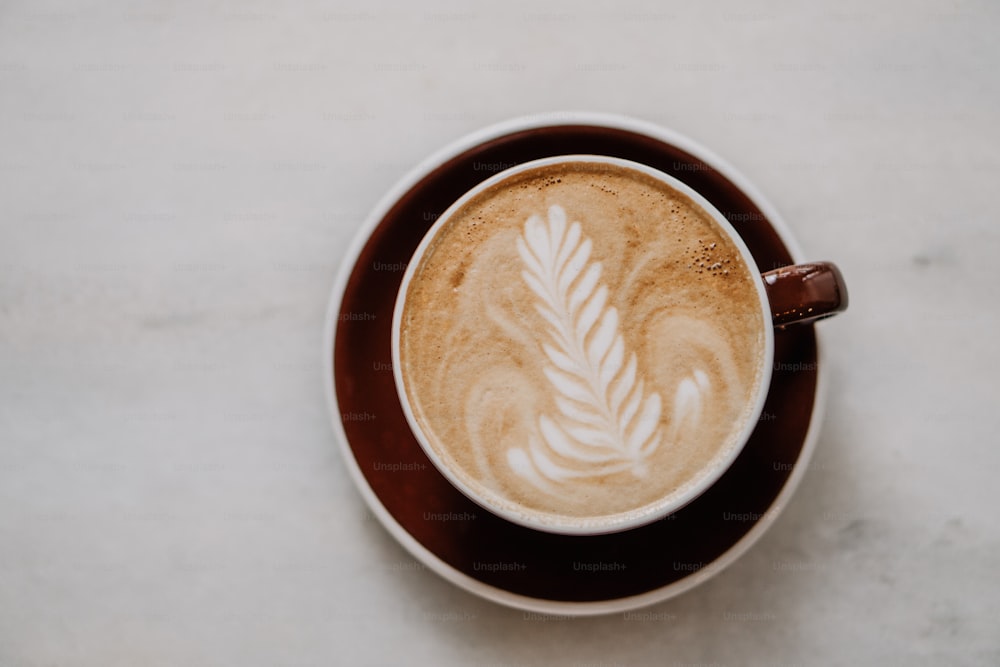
(583, 344)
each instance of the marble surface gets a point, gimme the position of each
(178, 184)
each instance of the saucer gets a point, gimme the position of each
(458, 539)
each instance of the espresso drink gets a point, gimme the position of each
(581, 340)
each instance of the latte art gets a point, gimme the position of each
(580, 340)
(607, 422)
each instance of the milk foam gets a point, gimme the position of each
(581, 341)
(606, 421)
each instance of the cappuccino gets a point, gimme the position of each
(579, 341)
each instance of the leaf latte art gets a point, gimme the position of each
(607, 422)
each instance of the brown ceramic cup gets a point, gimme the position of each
(789, 295)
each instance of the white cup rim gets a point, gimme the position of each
(611, 523)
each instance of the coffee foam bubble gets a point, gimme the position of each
(581, 340)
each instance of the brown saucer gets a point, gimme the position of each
(465, 543)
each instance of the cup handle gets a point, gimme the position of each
(804, 293)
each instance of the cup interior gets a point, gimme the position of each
(605, 523)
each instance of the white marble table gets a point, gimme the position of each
(178, 183)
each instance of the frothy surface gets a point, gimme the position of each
(581, 340)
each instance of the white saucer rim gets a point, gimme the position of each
(427, 557)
